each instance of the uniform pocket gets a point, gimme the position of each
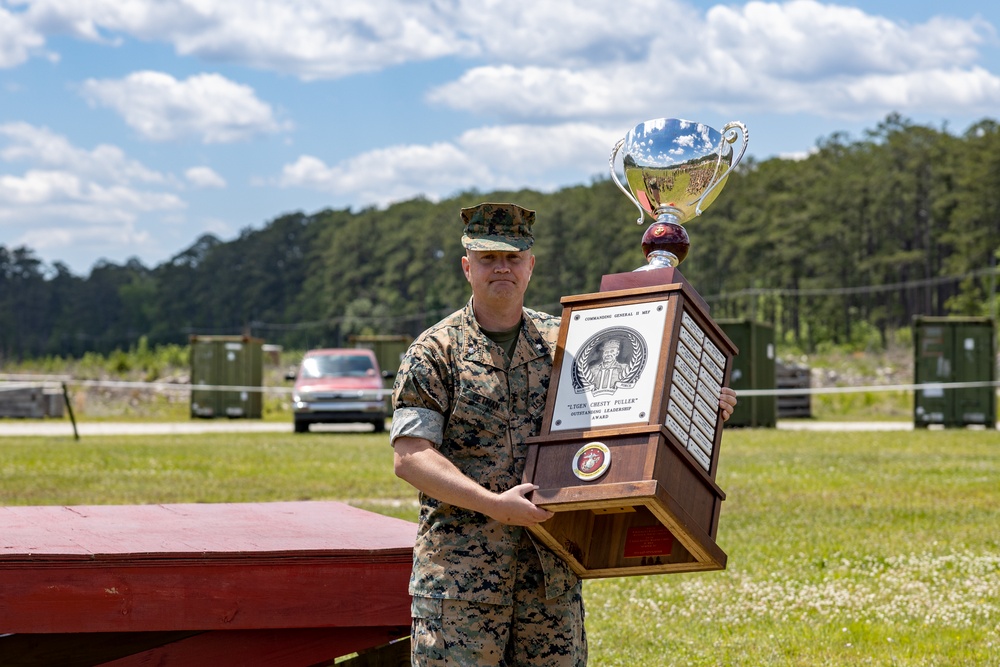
(426, 608)
(428, 645)
(477, 412)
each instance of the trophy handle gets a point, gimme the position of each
(729, 135)
(614, 177)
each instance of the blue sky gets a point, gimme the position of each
(128, 128)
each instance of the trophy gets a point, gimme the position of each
(628, 449)
(674, 170)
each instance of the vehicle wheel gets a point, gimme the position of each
(379, 426)
(301, 427)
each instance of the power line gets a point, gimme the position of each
(22, 379)
(842, 291)
(439, 313)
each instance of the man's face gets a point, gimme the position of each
(610, 352)
(498, 275)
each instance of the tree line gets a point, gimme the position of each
(855, 239)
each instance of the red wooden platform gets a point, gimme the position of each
(278, 584)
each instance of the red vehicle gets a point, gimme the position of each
(339, 385)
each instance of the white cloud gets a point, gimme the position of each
(520, 153)
(39, 187)
(17, 40)
(553, 83)
(581, 33)
(539, 92)
(803, 39)
(390, 174)
(798, 56)
(551, 60)
(204, 177)
(102, 235)
(41, 146)
(69, 195)
(484, 158)
(307, 38)
(941, 90)
(319, 39)
(207, 106)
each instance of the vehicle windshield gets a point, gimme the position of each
(340, 365)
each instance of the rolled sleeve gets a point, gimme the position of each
(420, 399)
(417, 423)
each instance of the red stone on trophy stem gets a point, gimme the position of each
(667, 236)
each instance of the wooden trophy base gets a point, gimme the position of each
(654, 512)
(653, 507)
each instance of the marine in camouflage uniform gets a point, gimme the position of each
(484, 591)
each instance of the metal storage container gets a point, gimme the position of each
(954, 350)
(230, 370)
(753, 368)
(389, 350)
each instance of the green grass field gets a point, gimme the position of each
(844, 548)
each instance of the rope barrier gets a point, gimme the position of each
(56, 380)
(926, 386)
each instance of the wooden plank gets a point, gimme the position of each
(567, 498)
(202, 531)
(79, 649)
(395, 654)
(274, 648)
(193, 596)
(793, 376)
(201, 567)
(22, 402)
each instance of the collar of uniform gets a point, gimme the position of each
(475, 342)
(531, 345)
(477, 345)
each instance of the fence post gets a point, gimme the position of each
(69, 408)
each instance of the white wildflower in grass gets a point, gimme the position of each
(843, 550)
(955, 590)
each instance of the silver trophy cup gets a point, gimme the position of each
(674, 170)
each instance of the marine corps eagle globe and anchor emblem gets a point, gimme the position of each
(591, 461)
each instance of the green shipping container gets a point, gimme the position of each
(949, 350)
(226, 361)
(389, 350)
(753, 368)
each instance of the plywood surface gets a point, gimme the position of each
(202, 531)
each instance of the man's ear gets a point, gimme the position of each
(465, 267)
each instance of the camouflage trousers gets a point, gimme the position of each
(532, 631)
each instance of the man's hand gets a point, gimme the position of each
(420, 464)
(514, 509)
(727, 403)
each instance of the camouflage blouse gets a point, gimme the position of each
(452, 390)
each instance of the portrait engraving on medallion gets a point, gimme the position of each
(611, 359)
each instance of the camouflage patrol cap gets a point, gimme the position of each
(504, 227)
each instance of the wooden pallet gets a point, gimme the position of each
(793, 376)
(30, 402)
